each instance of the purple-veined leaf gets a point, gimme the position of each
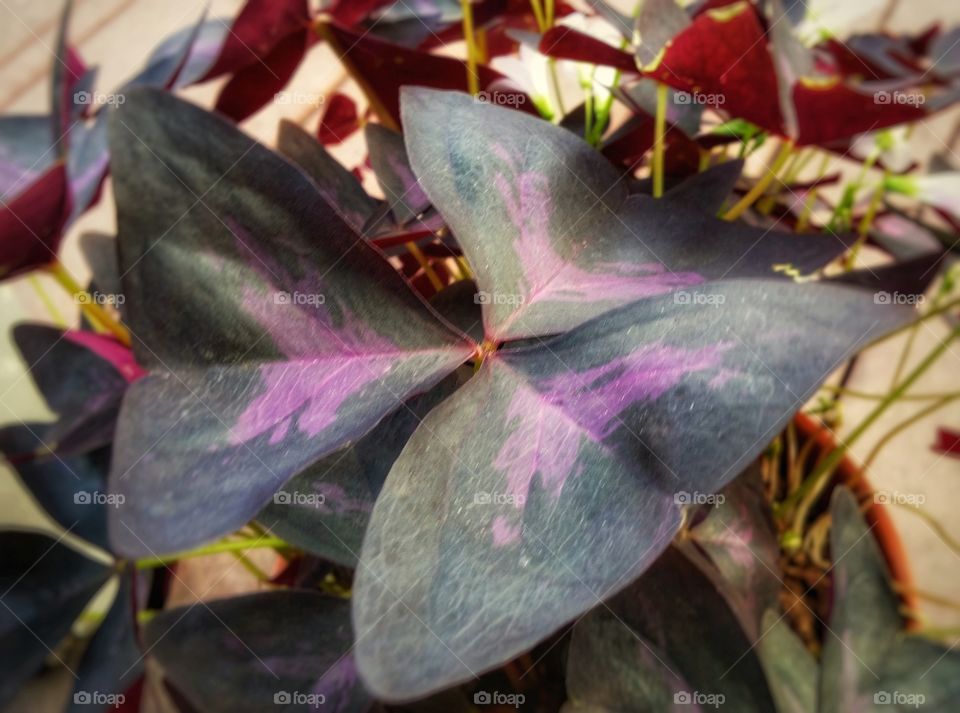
(325, 509)
(26, 151)
(792, 671)
(338, 186)
(549, 228)
(309, 337)
(388, 156)
(45, 586)
(170, 60)
(204, 51)
(469, 558)
(552, 478)
(285, 650)
(459, 304)
(667, 643)
(67, 488)
(742, 553)
(87, 162)
(112, 662)
(82, 376)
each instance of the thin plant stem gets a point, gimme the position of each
(97, 314)
(251, 567)
(47, 302)
(660, 130)
(538, 15)
(428, 270)
(853, 393)
(812, 486)
(473, 79)
(863, 230)
(213, 549)
(903, 425)
(761, 186)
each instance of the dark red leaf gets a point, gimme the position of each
(948, 442)
(339, 120)
(254, 86)
(829, 112)
(30, 224)
(257, 32)
(567, 43)
(353, 12)
(381, 68)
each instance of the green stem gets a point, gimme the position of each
(212, 549)
(660, 130)
(473, 79)
(816, 480)
(906, 423)
(761, 186)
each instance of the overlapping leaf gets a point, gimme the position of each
(82, 377)
(45, 586)
(283, 337)
(285, 650)
(666, 643)
(549, 480)
(549, 227)
(70, 489)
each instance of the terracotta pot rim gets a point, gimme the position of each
(850, 473)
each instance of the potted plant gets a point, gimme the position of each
(523, 433)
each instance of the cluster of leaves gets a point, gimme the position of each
(490, 459)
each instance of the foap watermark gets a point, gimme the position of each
(496, 698)
(499, 499)
(299, 98)
(311, 299)
(513, 99)
(296, 698)
(899, 699)
(911, 98)
(285, 497)
(96, 698)
(897, 298)
(699, 98)
(85, 497)
(98, 298)
(684, 498)
(698, 698)
(683, 297)
(895, 497)
(497, 298)
(98, 99)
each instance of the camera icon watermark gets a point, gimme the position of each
(698, 98)
(85, 497)
(99, 298)
(284, 497)
(895, 497)
(296, 698)
(683, 297)
(514, 99)
(84, 98)
(299, 99)
(897, 298)
(96, 698)
(496, 698)
(697, 698)
(314, 299)
(896, 97)
(517, 500)
(682, 497)
(899, 699)
(497, 298)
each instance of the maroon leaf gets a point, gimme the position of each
(253, 86)
(339, 120)
(30, 224)
(257, 32)
(948, 442)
